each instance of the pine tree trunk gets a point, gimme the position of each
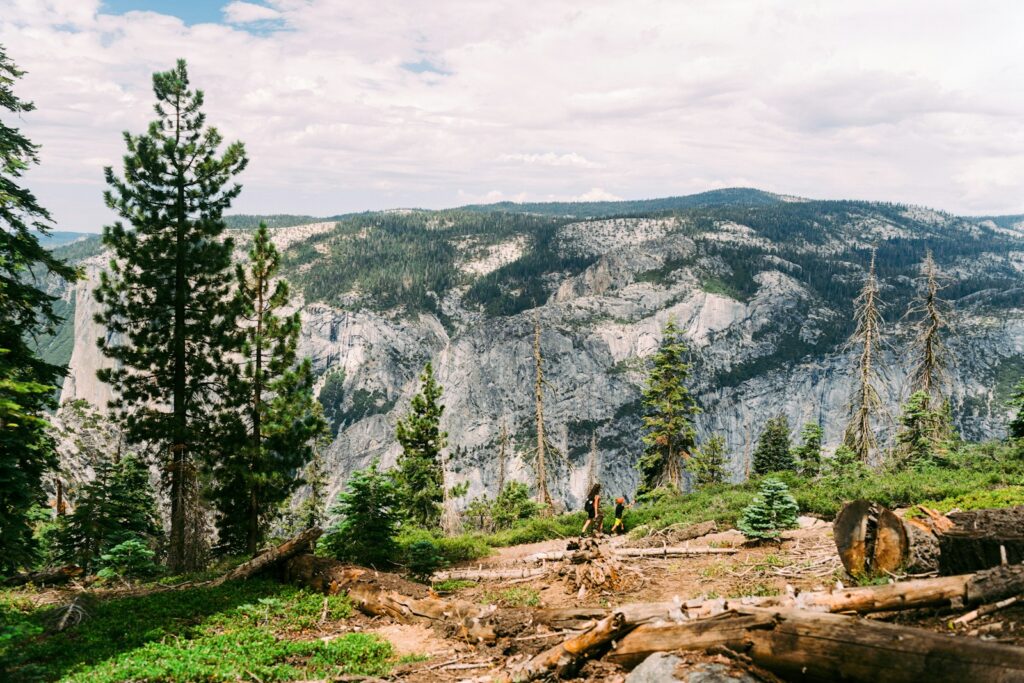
(178, 557)
(252, 541)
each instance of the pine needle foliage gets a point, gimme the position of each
(116, 506)
(773, 452)
(866, 404)
(918, 440)
(772, 511)
(26, 311)
(279, 417)
(419, 474)
(1015, 428)
(709, 462)
(167, 300)
(808, 454)
(669, 409)
(368, 515)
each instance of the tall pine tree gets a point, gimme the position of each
(668, 415)
(930, 315)
(420, 476)
(167, 302)
(773, 447)
(278, 416)
(26, 381)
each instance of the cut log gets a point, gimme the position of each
(45, 577)
(872, 540)
(566, 657)
(488, 574)
(301, 543)
(981, 539)
(385, 595)
(806, 646)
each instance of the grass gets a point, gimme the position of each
(512, 597)
(453, 585)
(252, 630)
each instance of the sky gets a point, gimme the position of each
(351, 105)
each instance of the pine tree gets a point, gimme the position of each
(709, 462)
(168, 306)
(311, 510)
(26, 381)
(773, 452)
(808, 453)
(278, 411)
(1015, 428)
(116, 506)
(668, 415)
(917, 438)
(866, 405)
(419, 474)
(369, 515)
(772, 511)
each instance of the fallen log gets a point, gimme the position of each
(807, 646)
(986, 587)
(386, 595)
(670, 551)
(566, 657)
(45, 577)
(872, 540)
(488, 574)
(302, 542)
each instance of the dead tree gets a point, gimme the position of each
(592, 463)
(865, 404)
(502, 458)
(929, 373)
(451, 521)
(545, 452)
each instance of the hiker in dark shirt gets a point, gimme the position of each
(592, 506)
(620, 510)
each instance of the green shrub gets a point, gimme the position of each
(423, 559)
(131, 559)
(451, 549)
(512, 505)
(773, 510)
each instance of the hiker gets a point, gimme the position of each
(620, 510)
(592, 506)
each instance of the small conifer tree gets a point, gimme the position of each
(369, 516)
(808, 453)
(917, 439)
(773, 447)
(419, 475)
(772, 511)
(709, 462)
(1016, 427)
(513, 504)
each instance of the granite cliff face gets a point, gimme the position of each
(762, 289)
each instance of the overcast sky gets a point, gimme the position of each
(346, 105)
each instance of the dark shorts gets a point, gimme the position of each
(590, 513)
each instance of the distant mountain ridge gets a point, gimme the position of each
(761, 284)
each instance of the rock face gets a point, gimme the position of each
(757, 293)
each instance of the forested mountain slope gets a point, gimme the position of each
(762, 284)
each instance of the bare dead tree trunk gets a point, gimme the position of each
(929, 374)
(866, 405)
(592, 463)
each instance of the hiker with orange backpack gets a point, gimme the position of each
(620, 509)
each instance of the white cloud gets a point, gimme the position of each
(596, 194)
(549, 159)
(239, 12)
(535, 101)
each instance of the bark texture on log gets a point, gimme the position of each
(301, 543)
(982, 538)
(564, 659)
(45, 577)
(827, 647)
(385, 595)
(489, 574)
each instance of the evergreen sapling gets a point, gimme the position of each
(772, 511)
